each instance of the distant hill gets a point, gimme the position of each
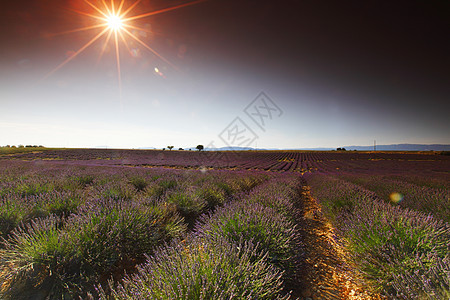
(230, 149)
(402, 147)
(394, 147)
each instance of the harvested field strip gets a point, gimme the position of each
(328, 274)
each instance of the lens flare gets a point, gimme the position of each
(396, 197)
(114, 24)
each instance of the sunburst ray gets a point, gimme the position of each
(119, 75)
(149, 48)
(78, 30)
(130, 8)
(105, 44)
(96, 8)
(156, 12)
(106, 7)
(78, 52)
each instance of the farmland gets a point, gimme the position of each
(151, 224)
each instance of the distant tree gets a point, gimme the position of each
(181, 149)
(20, 146)
(13, 146)
(170, 147)
(164, 149)
(339, 149)
(8, 146)
(199, 147)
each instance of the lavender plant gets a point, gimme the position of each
(202, 269)
(36, 255)
(15, 209)
(419, 197)
(403, 253)
(226, 255)
(70, 255)
(212, 194)
(187, 203)
(390, 242)
(271, 195)
(272, 231)
(66, 228)
(12, 212)
(139, 183)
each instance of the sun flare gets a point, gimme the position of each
(116, 24)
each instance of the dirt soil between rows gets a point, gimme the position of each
(325, 273)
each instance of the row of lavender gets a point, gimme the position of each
(67, 227)
(403, 253)
(247, 249)
(262, 160)
(428, 195)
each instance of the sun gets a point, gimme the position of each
(116, 24)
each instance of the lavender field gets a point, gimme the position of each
(149, 224)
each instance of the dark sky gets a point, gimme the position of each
(375, 69)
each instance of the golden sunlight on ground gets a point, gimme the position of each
(329, 273)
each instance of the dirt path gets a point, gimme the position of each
(325, 273)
